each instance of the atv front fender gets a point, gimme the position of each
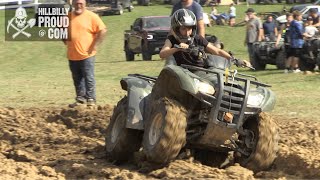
(137, 91)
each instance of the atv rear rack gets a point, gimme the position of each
(144, 77)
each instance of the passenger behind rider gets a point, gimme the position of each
(184, 28)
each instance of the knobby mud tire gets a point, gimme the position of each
(281, 59)
(255, 62)
(121, 147)
(266, 148)
(171, 135)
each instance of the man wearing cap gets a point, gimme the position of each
(196, 9)
(254, 31)
(315, 17)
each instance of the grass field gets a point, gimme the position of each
(36, 74)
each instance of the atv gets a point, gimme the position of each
(265, 52)
(211, 111)
(310, 56)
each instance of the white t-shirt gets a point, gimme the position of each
(206, 18)
(311, 30)
(232, 11)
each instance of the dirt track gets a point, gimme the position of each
(69, 143)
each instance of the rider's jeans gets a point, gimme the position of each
(83, 78)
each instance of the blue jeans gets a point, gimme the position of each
(83, 78)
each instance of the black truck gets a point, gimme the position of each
(146, 36)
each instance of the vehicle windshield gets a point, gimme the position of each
(155, 22)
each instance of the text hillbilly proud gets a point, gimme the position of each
(56, 21)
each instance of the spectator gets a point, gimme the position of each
(87, 31)
(232, 14)
(270, 29)
(296, 40)
(196, 9)
(183, 33)
(285, 34)
(214, 13)
(315, 17)
(254, 32)
(310, 31)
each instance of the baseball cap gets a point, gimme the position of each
(250, 10)
(309, 18)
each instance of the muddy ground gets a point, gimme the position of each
(51, 143)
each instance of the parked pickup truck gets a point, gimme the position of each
(146, 36)
(305, 13)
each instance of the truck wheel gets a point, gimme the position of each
(165, 131)
(121, 142)
(256, 63)
(261, 143)
(129, 54)
(281, 59)
(210, 158)
(146, 56)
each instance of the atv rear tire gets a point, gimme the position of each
(264, 143)
(121, 142)
(165, 131)
(256, 63)
(210, 158)
(281, 59)
(129, 54)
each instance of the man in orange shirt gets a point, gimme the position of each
(86, 31)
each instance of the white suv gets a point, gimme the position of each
(304, 12)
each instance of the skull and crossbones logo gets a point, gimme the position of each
(20, 19)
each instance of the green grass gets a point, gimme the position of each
(37, 74)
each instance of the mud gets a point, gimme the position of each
(51, 143)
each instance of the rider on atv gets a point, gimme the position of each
(184, 28)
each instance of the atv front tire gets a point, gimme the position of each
(121, 142)
(256, 63)
(263, 143)
(281, 59)
(165, 131)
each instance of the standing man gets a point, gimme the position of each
(270, 29)
(254, 32)
(86, 32)
(196, 9)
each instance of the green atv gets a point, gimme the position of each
(211, 111)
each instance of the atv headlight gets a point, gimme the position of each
(204, 87)
(150, 36)
(255, 98)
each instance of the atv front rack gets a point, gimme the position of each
(230, 97)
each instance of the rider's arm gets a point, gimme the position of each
(166, 50)
(216, 51)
